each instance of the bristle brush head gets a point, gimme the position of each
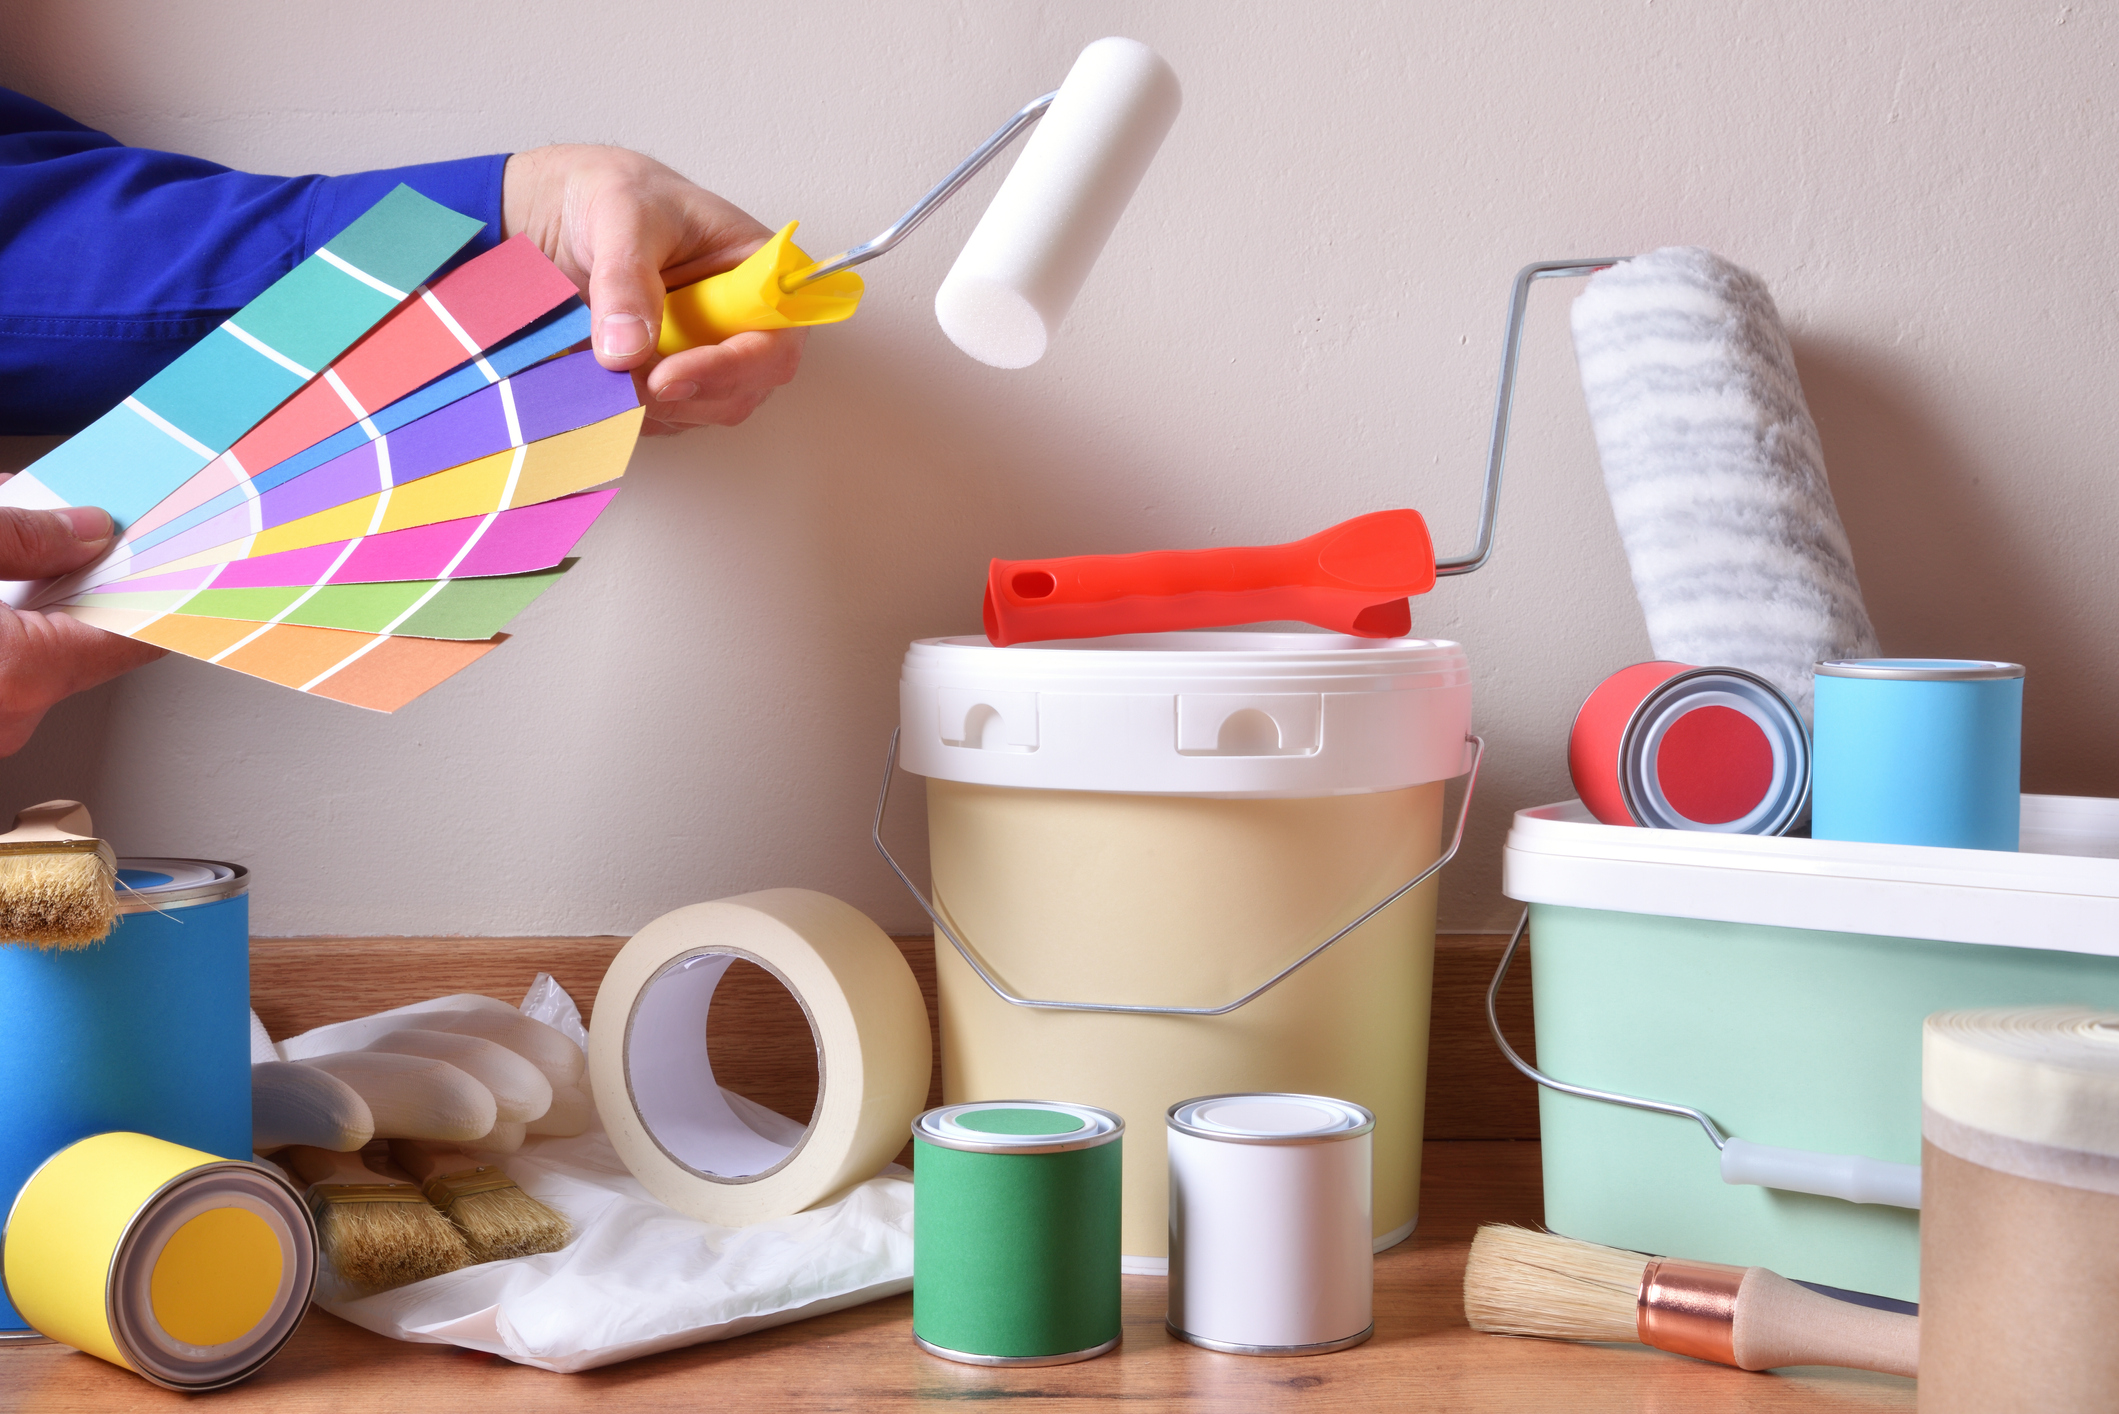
(1020, 271)
(498, 1219)
(1519, 1282)
(377, 1245)
(57, 897)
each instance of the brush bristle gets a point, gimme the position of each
(377, 1246)
(1520, 1282)
(507, 1222)
(56, 899)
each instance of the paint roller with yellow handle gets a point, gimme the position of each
(1025, 262)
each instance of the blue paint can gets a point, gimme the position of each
(1918, 751)
(148, 1030)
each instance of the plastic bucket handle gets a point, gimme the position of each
(1849, 1176)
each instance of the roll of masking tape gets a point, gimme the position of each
(188, 1270)
(654, 1080)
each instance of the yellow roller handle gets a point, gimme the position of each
(750, 297)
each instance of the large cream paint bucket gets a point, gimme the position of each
(1168, 823)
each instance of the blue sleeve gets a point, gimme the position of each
(115, 259)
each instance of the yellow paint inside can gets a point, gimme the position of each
(216, 1278)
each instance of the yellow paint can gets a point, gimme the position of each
(189, 1270)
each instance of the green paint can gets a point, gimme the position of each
(1015, 1232)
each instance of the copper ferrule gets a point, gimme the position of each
(1689, 1308)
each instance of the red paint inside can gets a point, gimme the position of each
(1714, 765)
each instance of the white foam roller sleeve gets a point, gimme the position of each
(412, 1097)
(520, 1090)
(1846, 1176)
(1019, 273)
(1715, 470)
(298, 1104)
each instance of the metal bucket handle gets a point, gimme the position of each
(890, 762)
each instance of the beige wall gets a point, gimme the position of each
(1298, 321)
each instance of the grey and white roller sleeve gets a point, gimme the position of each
(1715, 470)
(1016, 277)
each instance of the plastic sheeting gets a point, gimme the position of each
(638, 1278)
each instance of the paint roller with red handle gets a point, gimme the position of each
(1353, 578)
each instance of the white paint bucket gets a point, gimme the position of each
(1130, 834)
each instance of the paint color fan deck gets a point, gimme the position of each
(352, 485)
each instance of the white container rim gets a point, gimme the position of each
(1919, 669)
(1240, 1118)
(945, 1126)
(2061, 893)
(1243, 714)
(156, 885)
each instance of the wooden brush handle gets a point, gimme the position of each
(425, 1161)
(53, 820)
(313, 1166)
(1781, 1323)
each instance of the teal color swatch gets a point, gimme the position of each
(222, 387)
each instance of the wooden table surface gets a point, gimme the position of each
(1422, 1357)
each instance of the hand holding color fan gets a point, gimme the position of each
(353, 484)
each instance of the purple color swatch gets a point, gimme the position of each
(550, 398)
(518, 541)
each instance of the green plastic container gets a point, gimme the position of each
(1016, 1232)
(1779, 985)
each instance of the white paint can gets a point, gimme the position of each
(1270, 1250)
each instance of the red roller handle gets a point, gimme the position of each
(1353, 578)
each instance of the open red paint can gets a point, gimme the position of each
(1674, 747)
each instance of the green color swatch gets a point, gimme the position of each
(471, 609)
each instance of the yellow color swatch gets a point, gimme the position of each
(554, 467)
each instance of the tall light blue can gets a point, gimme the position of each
(1918, 751)
(148, 1030)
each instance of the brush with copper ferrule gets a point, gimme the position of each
(1519, 1282)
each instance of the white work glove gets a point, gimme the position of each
(462, 1069)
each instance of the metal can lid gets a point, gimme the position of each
(1018, 1126)
(1919, 669)
(1267, 1118)
(150, 885)
(1675, 776)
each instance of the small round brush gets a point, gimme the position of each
(498, 1219)
(1520, 1282)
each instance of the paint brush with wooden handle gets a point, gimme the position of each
(378, 1230)
(58, 882)
(1519, 1282)
(497, 1218)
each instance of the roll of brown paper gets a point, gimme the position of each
(2019, 1230)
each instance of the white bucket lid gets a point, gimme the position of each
(2060, 891)
(1222, 714)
